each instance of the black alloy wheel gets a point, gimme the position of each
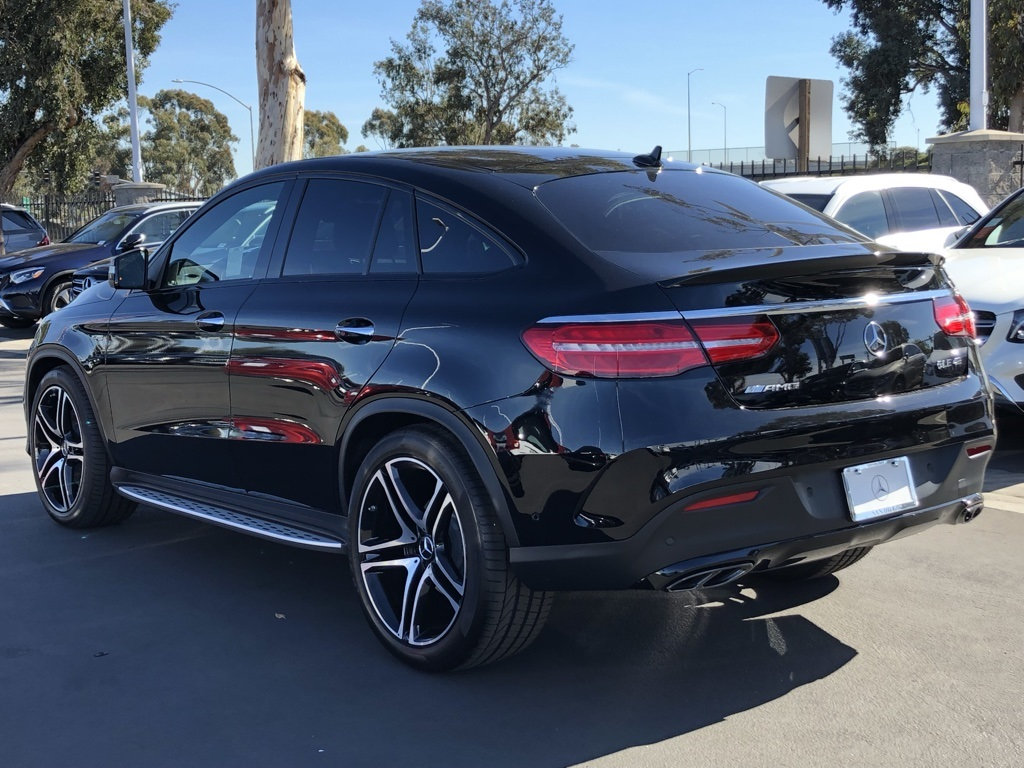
(429, 560)
(70, 464)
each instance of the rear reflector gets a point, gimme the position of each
(645, 348)
(722, 501)
(977, 450)
(954, 316)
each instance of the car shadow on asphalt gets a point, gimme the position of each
(176, 642)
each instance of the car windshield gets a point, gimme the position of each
(105, 228)
(644, 212)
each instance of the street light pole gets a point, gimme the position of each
(689, 145)
(725, 131)
(133, 105)
(252, 135)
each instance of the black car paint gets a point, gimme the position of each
(591, 476)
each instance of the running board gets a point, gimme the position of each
(228, 518)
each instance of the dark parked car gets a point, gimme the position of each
(20, 229)
(488, 374)
(37, 281)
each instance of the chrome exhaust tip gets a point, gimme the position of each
(973, 505)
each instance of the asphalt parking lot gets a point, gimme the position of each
(167, 642)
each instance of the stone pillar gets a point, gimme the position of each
(983, 159)
(129, 192)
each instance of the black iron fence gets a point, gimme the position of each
(843, 165)
(62, 215)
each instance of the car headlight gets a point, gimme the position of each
(24, 275)
(1017, 327)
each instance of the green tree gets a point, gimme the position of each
(188, 147)
(898, 46)
(475, 72)
(323, 134)
(61, 63)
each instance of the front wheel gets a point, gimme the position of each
(70, 462)
(58, 296)
(429, 559)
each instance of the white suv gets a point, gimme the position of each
(908, 211)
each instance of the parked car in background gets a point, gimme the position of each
(909, 211)
(987, 265)
(20, 229)
(37, 281)
(490, 373)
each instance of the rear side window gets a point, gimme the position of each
(16, 221)
(964, 212)
(914, 209)
(451, 244)
(395, 249)
(674, 211)
(335, 228)
(865, 212)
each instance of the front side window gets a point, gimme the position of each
(451, 244)
(159, 226)
(225, 242)
(334, 228)
(865, 212)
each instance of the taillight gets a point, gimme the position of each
(648, 348)
(610, 350)
(740, 338)
(954, 316)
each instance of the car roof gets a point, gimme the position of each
(827, 185)
(527, 166)
(148, 207)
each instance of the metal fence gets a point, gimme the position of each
(898, 162)
(61, 215)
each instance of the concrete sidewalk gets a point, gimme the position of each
(1004, 490)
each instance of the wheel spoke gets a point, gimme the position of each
(406, 533)
(405, 504)
(67, 484)
(408, 564)
(425, 609)
(47, 429)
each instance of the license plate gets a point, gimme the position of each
(880, 488)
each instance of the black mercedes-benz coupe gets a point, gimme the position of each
(488, 374)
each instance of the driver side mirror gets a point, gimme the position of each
(133, 240)
(129, 269)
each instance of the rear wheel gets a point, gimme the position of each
(70, 462)
(429, 559)
(819, 568)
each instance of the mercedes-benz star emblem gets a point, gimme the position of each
(875, 339)
(880, 487)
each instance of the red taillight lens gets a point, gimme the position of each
(954, 316)
(647, 348)
(610, 350)
(736, 339)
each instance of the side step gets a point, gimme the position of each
(229, 518)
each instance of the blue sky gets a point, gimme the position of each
(627, 80)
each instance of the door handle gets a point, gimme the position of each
(354, 330)
(210, 321)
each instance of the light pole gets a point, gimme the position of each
(689, 146)
(252, 135)
(725, 131)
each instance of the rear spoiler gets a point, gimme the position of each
(773, 263)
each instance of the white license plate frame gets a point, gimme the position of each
(879, 488)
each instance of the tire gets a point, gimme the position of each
(819, 568)
(430, 561)
(69, 458)
(16, 322)
(58, 296)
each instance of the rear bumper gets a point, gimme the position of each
(784, 525)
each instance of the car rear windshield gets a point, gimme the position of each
(675, 211)
(817, 202)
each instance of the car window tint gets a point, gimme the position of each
(17, 221)
(914, 208)
(865, 212)
(225, 242)
(395, 250)
(450, 244)
(675, 211)
(964, 212)
(946, 216)
(334, 228)
(159, 226)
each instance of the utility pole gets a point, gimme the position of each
(979, 66)
(133, 106)
(689, 145)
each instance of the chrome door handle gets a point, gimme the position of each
(210, 321)
(354, 330)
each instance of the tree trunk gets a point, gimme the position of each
(10, 170)
(1017, 112)
(282, 85)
